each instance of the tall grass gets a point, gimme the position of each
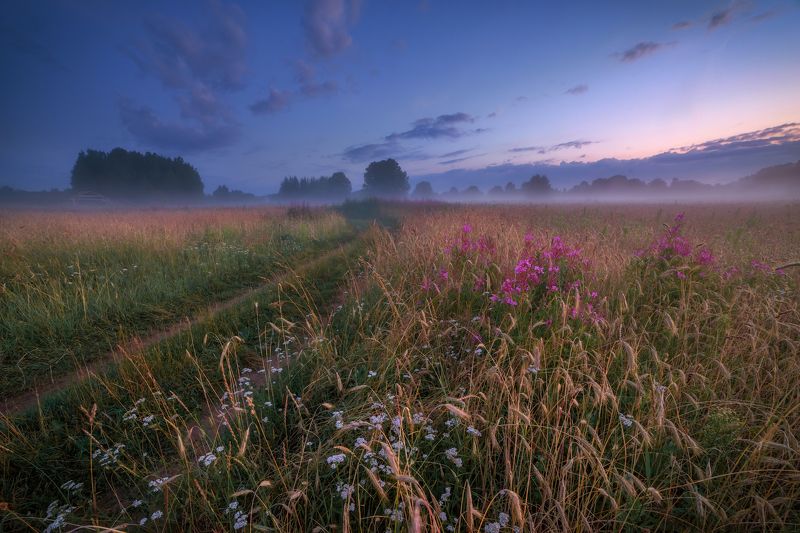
(74, 285)
(644, 378)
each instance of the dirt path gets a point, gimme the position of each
(30, 398)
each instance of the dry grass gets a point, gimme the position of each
(421, 403)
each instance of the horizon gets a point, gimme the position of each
(459, 95)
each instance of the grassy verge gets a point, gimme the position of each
(181, 379)
(66, 303)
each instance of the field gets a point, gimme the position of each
(400, 366)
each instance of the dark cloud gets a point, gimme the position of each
(720, 18)
(182, 57)
(639, 50)
(371, 152)
(578, 89)
(328, 23)
(457, 160)
(744, 142)
(443, 126)
(577, 144)
(142, 123)
(682, 25)
(570, 144)
(447, 126)
(197, 65)
(275, 101)
(457, 152)
(307, 87)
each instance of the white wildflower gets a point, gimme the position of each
(335, 460)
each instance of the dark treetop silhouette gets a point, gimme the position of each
(124, 174)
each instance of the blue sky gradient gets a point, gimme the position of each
(459, 93)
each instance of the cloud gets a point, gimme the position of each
(181, 56)
(447, 126)
(307, 87)
(197, 65)
(743, 142)
(457, 152)
(570, 144)
(578, 89)
(577, 144)
(527, 149)
(720, 18)
(443, 126)
(275, 101)
(682, 25)
(639, 50)
(371, 152)
(142, 123)
(328, 23)
(457, 160)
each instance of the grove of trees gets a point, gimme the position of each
(123, 174)
(335, 187)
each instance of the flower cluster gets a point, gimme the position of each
(674, 244)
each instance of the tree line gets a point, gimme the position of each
(127, 174)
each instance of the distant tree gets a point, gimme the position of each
(510, 187)
(538, 185)
(495, 191)
(333, 188)
(124, 174)
(223, 194)
(452, 192)
(339, 184)
(423, 189)
(472, 191)
(385, 178)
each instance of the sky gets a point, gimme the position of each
(460, 93)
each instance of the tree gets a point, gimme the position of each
(496, 191)
(124, 174)
(339, 185)
(472, 191)
(538, 185)
(385, 178)
(510, 187)
(223, 194)
(423, 189)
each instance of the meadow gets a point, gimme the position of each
(443, 368)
